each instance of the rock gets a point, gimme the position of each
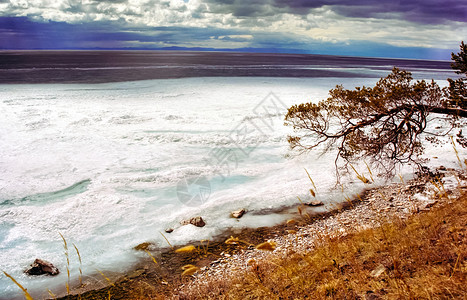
(370, 295)
(40, 267)
(197, 221)
(136, 273)
(169, 230)
(238, 213)
(315, 203)
(144, 246)
(431, 204)
(442, 168)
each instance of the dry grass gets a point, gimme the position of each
(424, 257)
(27, 296)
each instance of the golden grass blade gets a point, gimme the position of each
(361, 177)
(189, 266)
(455, 266)
(232, 241)
(300, 200)
(359, 197)
(65, 246)
(312, 193)
(402, 179)
(106, 278)
(369, 171)
(152, 257)
(51, 294)
(189, 248)
(166, 240)
(267, 246)
(457, 153)
(205, 247)
(80, 266)
(190, 271)
(25, 291)
(235, 241)
(314, 186)
(438, 183)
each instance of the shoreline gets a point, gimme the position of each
(172, 262)
(217, 259)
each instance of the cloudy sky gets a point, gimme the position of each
(428, 29)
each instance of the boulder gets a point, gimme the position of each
(40, 267)
(238, 213)
(169, 230)
(196, 221)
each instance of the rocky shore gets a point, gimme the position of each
(373, 208)
(216, 260)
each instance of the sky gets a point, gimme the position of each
(421, 29)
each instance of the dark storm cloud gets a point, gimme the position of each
(271, 25)
(421, 11)
(243, 8)
(21, 33)
(426, 12)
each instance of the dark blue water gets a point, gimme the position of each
(119, 66)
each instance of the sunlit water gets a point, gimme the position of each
(101, 164)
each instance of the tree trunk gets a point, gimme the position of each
(447, 111)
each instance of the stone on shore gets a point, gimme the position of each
(315, 203)
(41, 267)
(238, 213)
(145, 246)
(196, 221)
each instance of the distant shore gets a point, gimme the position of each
(65, 67)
